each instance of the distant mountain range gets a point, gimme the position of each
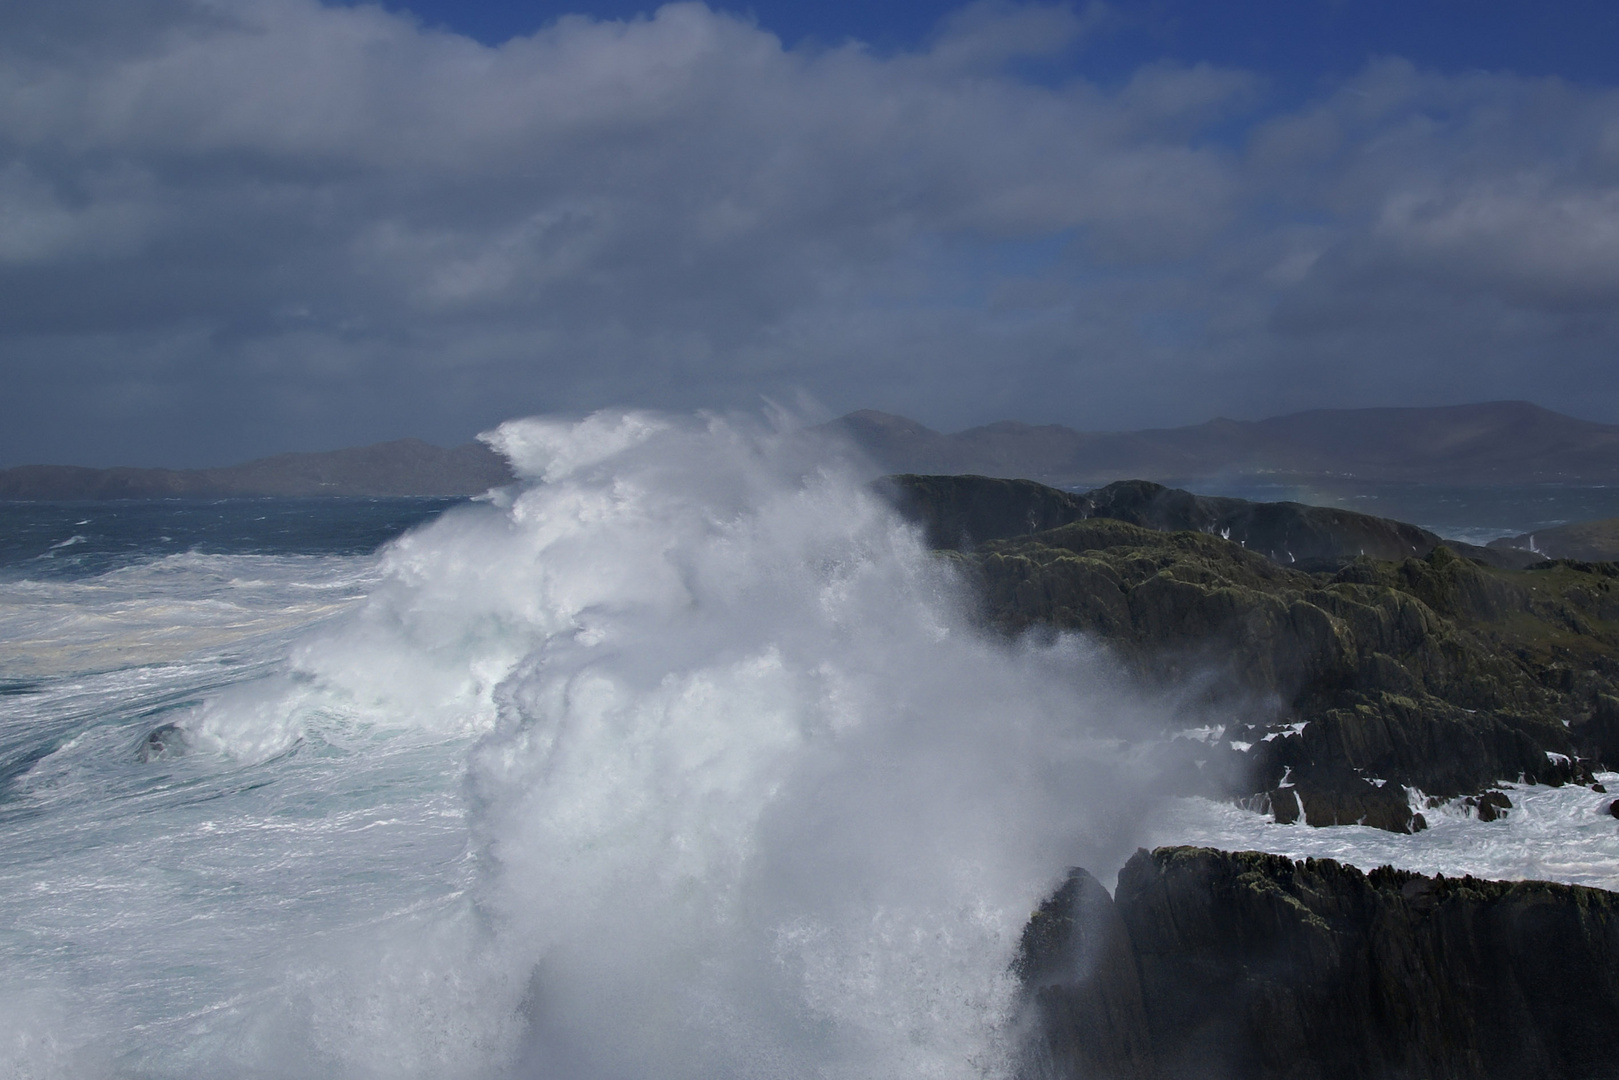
(405, 467)
(1504, 442)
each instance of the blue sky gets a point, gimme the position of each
(235, 227)
(1298, 41)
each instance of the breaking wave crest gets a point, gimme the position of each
(743, 791)
(761, 803)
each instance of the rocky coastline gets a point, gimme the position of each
(1379, 670)
(1210, 965)
(1338, 669)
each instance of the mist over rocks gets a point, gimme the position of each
(1208, 965)
(1335, 696)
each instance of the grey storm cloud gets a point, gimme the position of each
(234, 228)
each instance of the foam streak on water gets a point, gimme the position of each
(1552, 834)
(679, 760)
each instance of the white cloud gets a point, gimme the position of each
(1521, 236)
(987, 33)
(284, 223)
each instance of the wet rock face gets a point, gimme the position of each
(1338, 692)
(1076, 963)
(1599, 732)
(1346, 798)
(1253, 966)
(1493, 805)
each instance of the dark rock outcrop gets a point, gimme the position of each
(1253, 966)
(1077, 965)
(961, 512)
(1337, 691)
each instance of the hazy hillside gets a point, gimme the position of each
(1494, 443)
(1589, 540)
(1511, 442)
(405, 467)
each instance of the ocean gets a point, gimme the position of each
(681, 758)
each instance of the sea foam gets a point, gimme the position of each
(682, 757)
(759, 801)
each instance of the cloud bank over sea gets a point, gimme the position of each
(229, 229)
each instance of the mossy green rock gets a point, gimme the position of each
(963, 511)
(1337, 691)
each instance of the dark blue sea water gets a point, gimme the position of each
(79, 539)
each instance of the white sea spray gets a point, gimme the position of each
(1552, 834)
(680, 759)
